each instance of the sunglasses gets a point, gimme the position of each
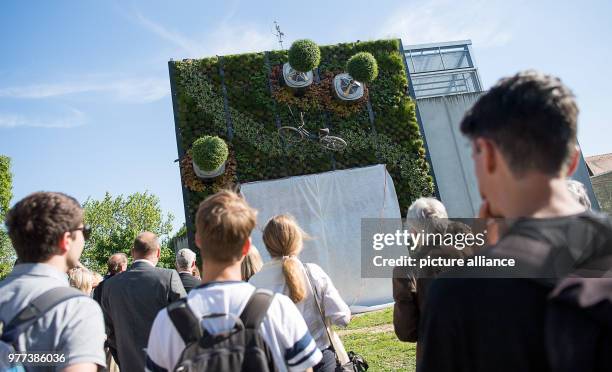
(86, 231)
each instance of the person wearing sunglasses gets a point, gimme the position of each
(47, 232)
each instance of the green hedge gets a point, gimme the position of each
(304, 55)
(362, 67)
(253, 111)
(209, 153)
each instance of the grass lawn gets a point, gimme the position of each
(372, 336)
(373, 319)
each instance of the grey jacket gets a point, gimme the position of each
(130, 302)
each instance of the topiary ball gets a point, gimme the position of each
(304, 55)
(362, 67)
(209, 153)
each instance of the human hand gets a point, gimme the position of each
(492, 229)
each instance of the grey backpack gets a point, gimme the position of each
(242, 348)
(25, 319)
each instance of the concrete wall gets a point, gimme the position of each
(181, 243)
(602, 184)
(450, 154)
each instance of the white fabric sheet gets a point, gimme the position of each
(329, 207)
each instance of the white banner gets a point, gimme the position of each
(329, 207)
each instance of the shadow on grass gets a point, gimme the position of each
(382, 350)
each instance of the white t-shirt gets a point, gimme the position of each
(336, 310)
(283, 328)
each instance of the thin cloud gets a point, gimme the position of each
(486, 23)
(46, 90)
(231, 39)
(190, 46)
(71, 119)
(126, 90)
(141, 90)
(225, 38)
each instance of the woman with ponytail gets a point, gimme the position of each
(286, 274)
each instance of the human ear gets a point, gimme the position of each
(246, 247)
(64, 242)
(489, 155)
(573, 161)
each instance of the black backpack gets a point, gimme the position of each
(240, 349)
(578, 320)
(579, 325)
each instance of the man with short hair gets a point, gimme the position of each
(47, 232)
(131, 300)
(224, 222)
(185, 264)
(117, 263)
(523, 134)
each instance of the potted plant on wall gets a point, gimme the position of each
(304, 56)
(209, 155)
(362, 68)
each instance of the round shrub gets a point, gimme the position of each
(304, 55)
(362, 67)
(209, 153)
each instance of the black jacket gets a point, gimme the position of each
(499, 324)
(579, 326)
(189, 281)
(97, 293)
(130, 303)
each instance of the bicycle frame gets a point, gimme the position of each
(322, 137)
(305, 132)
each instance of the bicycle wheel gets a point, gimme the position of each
(333, 143)
(291, 135)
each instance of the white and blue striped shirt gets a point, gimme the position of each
(283, 328)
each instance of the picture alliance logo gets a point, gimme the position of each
(438, 262)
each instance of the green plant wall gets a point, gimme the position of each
(240, 98)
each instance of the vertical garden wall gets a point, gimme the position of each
(241, 99)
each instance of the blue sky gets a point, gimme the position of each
(85, 100)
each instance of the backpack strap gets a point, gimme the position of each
(185, 322)
(36, 309)
(256, 308)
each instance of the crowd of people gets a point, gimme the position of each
(239, 313)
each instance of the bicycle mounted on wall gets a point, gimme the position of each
(294, 135)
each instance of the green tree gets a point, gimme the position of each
(7, 254)
(115, 223)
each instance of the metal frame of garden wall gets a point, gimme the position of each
(181, 153)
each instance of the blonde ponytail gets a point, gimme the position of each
(295, 279)
(284, 238)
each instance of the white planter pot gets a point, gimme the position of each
(203, 174)
(346, 88)
(295, 79)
